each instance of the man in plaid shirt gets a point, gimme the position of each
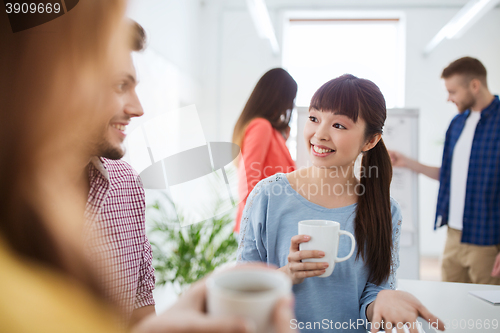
(469, 192)
(115, 213)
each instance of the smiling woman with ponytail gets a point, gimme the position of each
(346, 118)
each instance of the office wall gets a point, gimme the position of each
(173, 31)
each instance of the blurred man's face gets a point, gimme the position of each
(460, 92)
(123, 105)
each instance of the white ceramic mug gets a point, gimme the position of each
(325, 236)
(250, 293)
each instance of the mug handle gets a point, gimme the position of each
(353, 244)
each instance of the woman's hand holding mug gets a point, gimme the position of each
(298, 270)
(303, 257)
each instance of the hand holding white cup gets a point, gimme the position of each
(251, 293)
(325, 237)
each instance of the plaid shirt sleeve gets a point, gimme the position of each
(146, 277)
(443, 202)
(144, 296)
(116, 217)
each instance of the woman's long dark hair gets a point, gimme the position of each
(354, 97)
(270, 99)
(51, 86)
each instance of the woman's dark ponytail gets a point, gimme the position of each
(373, 223)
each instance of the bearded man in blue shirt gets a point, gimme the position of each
(469, 192)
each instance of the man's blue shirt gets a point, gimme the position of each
(481, 221)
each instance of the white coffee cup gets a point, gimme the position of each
(325, 236)
(250, 293)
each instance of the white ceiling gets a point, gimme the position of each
(311, 4)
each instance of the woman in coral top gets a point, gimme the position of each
(261, 132)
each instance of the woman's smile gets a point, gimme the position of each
(321, 151)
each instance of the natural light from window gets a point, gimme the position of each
(318, 50)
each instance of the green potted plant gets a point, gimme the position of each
(183, 255)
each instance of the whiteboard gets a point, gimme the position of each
(401, 134)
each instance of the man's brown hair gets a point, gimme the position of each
(138, 42)
(470, 68)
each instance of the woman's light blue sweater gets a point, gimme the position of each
(338, 302)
